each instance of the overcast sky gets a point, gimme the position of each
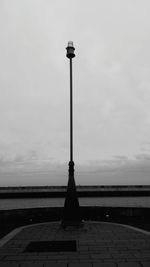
(111, 78)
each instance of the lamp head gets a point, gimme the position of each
(70, 44)
(70, 50)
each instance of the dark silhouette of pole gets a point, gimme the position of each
(71, 210)
(71, 113)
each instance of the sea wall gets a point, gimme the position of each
(83, 191)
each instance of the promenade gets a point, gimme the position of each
(96, 244)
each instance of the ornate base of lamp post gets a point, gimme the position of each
(71, 212)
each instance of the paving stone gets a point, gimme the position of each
(55, 265)
(80, 265)
(83, 248)
(14, 258)
(9, 264)
(73, 261)
(114, 260)
(104, 265)
(84, 256)
(142, 256)
(101, 256)
(9, 251)
(145, 264)
(57, 257)
(32, 264)
(118, 256)
(35, 258)
(129, 264)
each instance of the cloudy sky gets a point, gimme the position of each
(111, 91)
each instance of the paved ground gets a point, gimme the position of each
(98, 245)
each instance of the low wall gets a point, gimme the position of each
(10, 219)
(88, 213)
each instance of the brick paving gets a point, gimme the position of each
(99, 244)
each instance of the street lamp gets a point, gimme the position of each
(71, 210)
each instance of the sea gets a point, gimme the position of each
(25, 203)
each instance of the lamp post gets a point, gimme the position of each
(71, 210)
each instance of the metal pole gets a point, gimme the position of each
(71, 113)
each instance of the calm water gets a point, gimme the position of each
(7, 204)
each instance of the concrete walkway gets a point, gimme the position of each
(99, 244)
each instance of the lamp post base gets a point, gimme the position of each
(71, 211)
